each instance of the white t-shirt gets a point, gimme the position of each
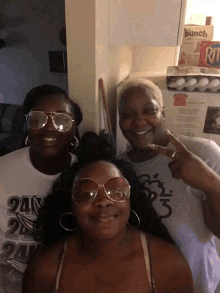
(179, 206)
(22, 189)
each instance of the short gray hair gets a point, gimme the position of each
(140, 83)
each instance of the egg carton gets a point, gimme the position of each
(192, 78)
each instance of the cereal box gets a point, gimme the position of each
(209, 54)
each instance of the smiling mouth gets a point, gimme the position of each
(49, 139)
(142, 132)
(103, 219)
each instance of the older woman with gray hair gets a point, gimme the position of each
(189, 208)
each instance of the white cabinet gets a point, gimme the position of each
(146, 22)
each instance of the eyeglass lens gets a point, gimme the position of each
(62, 122)
(85, 190)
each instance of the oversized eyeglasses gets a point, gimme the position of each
(38, 119)
(85, 190)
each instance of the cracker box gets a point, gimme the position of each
(209, 54)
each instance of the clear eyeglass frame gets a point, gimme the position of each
(52, 115)
(101, 185)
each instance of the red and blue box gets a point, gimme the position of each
(209, 54)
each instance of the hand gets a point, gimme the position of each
(186, 165)
(18, 266)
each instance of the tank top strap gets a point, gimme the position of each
(60, 266)
(147, 263)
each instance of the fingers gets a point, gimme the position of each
(173, 154)
(176, 143)
(175, 169)
(176, 174)
(162, 150)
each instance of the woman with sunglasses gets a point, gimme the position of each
(26, 176)
(111, 241)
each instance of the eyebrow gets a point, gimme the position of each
(60, 111)
(147, 104)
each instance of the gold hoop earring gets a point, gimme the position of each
(66, 222)
(76, 144)
(136, 219)
(27, 142)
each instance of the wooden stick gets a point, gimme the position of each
(101, 85)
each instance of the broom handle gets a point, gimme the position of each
(101, 85)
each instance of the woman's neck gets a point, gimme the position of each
(142, 155)
(139, 156)
(51, 165)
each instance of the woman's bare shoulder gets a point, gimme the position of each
(40, 275)
(48, 252)
(170, 268)
(163, 250)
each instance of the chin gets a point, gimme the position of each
(49, 151)
(141, 146)
(104, 235)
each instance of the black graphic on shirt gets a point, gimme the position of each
(22, 214)
(154, 189)
(21, 226)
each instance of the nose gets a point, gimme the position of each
(140, 120)
(102, 199)
(49, 125)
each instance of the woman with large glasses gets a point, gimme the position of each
(26, 175)
(110, 238)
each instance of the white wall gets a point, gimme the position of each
(113, 63)
(154, 59)
(90, 58)
(197, 10)
(80, 25)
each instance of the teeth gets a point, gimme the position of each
(49, 139)
(106, 216)
(104, 219)
(143, 132)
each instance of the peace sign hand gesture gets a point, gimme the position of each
(186, 165)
